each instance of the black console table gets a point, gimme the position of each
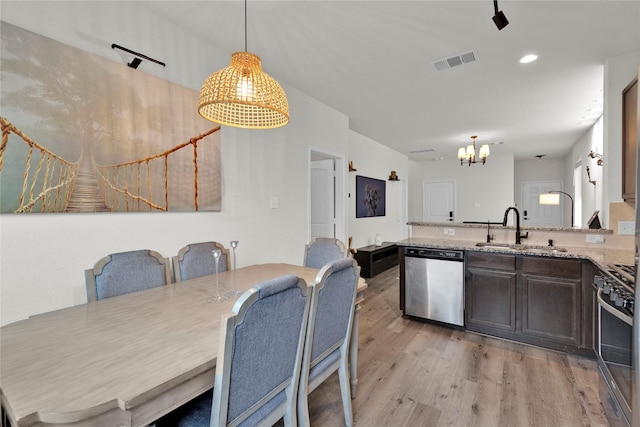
(376, 259)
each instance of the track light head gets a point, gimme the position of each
(499, 19)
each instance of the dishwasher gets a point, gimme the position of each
(434, 285)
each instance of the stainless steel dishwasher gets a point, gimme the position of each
(434, 285)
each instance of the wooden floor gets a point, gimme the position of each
(415, 373)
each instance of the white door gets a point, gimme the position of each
(438, 201)
(322, 199)
(532, 212)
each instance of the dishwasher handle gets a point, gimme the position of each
(444, 254)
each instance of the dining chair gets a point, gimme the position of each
(259, 360)
(321, 250)
(124, 272)
(196, 260)
(328, 334)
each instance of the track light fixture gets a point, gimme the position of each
(500, 20)
(138, 57)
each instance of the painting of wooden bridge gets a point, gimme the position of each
(53, 184)
(84, 133)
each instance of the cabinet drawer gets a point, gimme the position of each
(552, 266)
(491, 260)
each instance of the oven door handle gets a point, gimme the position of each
(626, 319)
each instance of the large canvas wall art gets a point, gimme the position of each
(370, 197)
(81, 133)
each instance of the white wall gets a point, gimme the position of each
(375, 160)
(43, 256)
(592, 195)
(483, 192)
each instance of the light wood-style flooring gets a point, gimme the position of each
(414, 373)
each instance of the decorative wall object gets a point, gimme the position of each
(370, 197)
(82, 133)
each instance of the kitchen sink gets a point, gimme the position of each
(523, 248)
(505, 246)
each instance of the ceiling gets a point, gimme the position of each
(374, 62)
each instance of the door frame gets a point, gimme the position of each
(317, 153)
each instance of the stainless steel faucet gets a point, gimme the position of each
(519, 235)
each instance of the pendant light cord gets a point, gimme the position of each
(245, 25)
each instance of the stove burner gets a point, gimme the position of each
(617, 284)
(624, 273)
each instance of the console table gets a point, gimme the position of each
(376, 259)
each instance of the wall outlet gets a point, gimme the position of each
(595, 238)
(450, 231)
(626, 228)
(274, 203)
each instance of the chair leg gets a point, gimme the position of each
(345, 390)
(290, 419)
(303, 406)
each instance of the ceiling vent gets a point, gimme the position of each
(454, 61)
(426, 150)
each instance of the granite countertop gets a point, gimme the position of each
(480, 224)
(601, 257)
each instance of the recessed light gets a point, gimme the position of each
(528, 58)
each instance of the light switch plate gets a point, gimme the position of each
(595, 238)
(626, 228)
(274, 203)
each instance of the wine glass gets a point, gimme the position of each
(234, 290)
(216, 257)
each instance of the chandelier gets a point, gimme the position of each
(468, 155)
(242, 95)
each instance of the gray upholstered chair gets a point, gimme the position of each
(321, 250)
(329, 333)
(259, 359)
(196, 260)
(125, 272)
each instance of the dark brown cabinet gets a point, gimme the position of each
(490, 292)
(629, 140)
(551, 308)
(535, 300)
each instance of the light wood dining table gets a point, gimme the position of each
(126, 360)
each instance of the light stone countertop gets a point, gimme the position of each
(494, 226)
(601, 257)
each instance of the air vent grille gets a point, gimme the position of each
(456, 60)
(426, 150)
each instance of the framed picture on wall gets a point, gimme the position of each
(85, 133)
(370, 197)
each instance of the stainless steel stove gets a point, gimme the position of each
(616, 306)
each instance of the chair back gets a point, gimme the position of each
(260, 355)
(321, 250)
(196, 260)
(329, 332)
(125, 272)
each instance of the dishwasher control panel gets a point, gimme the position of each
(434, 254)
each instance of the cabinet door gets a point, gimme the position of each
(629, 139)
(551, 308)
(490, 299)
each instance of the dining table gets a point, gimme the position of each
(129, 359)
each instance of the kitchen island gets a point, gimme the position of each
(534, 294)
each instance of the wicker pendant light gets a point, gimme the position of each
(242, 95)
